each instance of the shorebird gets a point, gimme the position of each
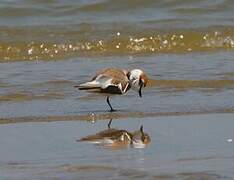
(119, 138)
(115, 81)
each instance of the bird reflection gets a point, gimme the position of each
(118, 138)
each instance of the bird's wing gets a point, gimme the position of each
(112, 78)
(109, 133)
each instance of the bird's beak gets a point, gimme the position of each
(141, 85)
(140, 94)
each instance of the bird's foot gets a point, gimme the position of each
(113, 110)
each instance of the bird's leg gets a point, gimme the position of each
(108, 102)
(109, 123)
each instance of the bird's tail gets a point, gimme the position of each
(88, 85)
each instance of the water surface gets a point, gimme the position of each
(182, 147)
(185, 47)
(41, 30)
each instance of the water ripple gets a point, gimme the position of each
(53, 43)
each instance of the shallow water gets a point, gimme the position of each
(180, 83)
(178, 110)
(182, 147)
(186, 48)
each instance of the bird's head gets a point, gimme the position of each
(140, 139)
(138, 79)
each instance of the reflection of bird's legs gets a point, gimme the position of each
(108, 102)
(109, 123)
(142, 133)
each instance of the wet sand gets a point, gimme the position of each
(182, 147)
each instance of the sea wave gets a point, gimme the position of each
(53, 30)
(56, 42)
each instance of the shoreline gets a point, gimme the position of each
(107, 116)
